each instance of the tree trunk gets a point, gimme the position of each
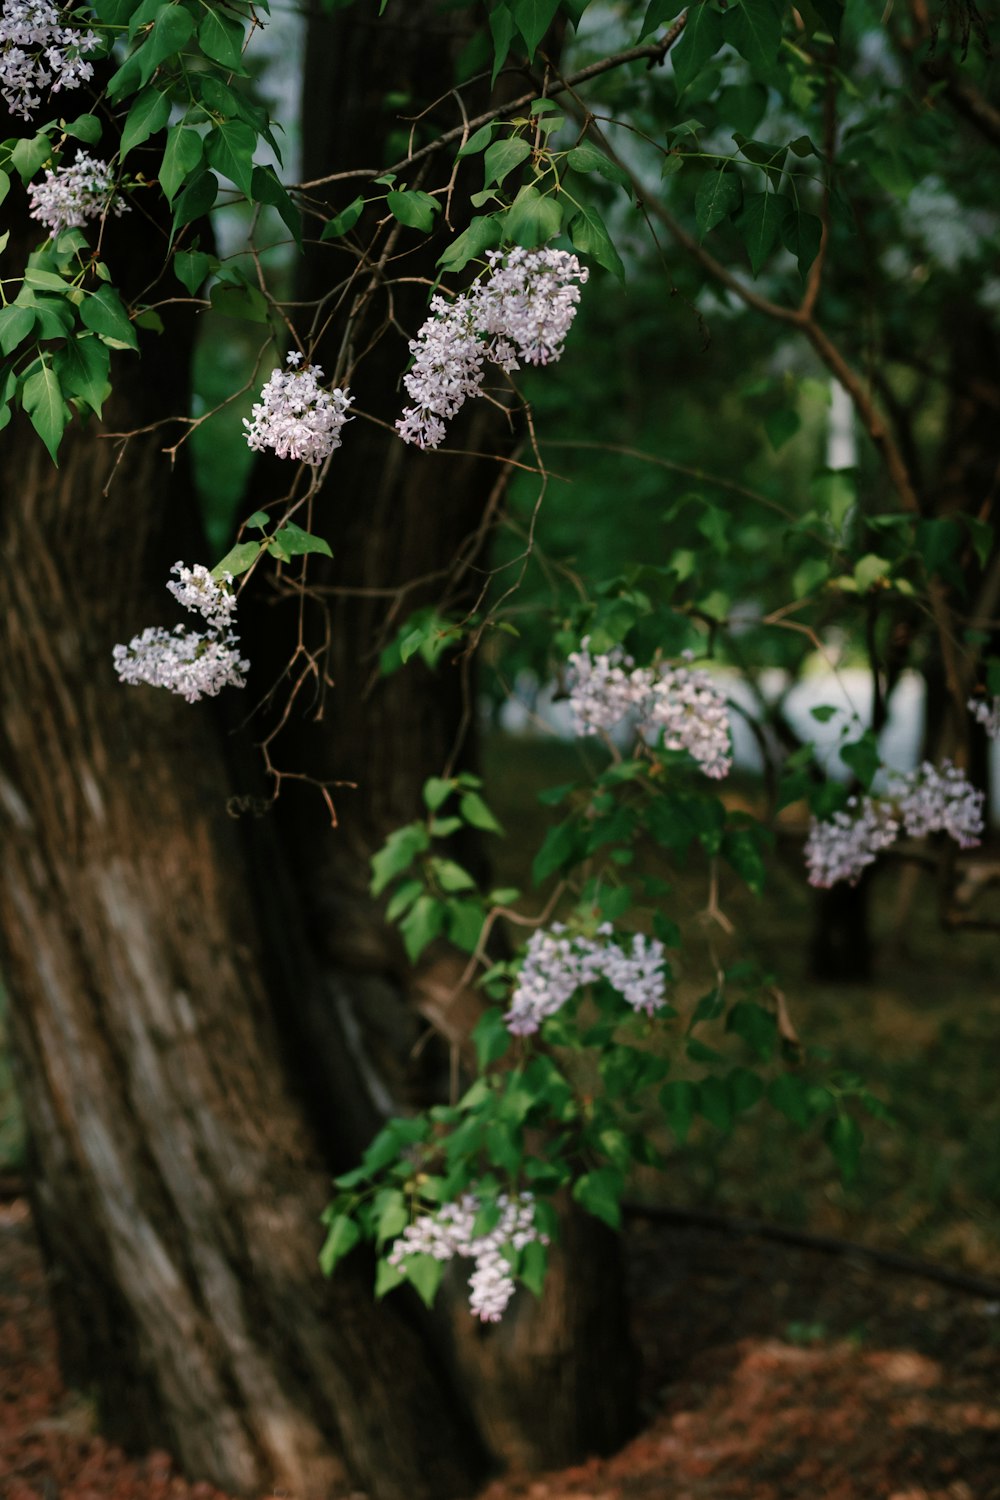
(164, 997)
(177, 1189)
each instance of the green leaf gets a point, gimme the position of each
(745, 1089)
(843, 1136)
(533, 220)
(754, 28)
(450, 876)
(391, 1215)
(759, 225)
(414, 209)
(397, 854)
(15, 325)
(182, 156)
(502, 157)
(600, 1192)
(563, 846)
(82, 364)
(344, 221)
(298, 543)
(422, 924)
(700, 40)
(491, 1038)
(756, 1026)
(149, 113)
(532, 1267)
(790, 1095)
(42, 399)
(801, 233)
(533, 18)
(679, 1101)
(657, 12)
(502, 31)
(387, 1278)
(587, 158)
(30, 154)
(196, 199)
(482, 234)
(191, 267)
(173, 28)
(104, 314)
(230, 147)
(478, 141)
(84, 128)
(341, 1237)
(437, 790)
(237, 560)
(781, 426)
(474, 811)
(719, 195)
(424, 1273)
(240, 301)
(715, 1104)
(267, 189)
(743, 106)
(221, 38)
(863, 758)
(465, 924)
(590, 236)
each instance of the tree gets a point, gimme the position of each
(197, 1043)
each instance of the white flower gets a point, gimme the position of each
(450, 1233)
(986, 711)
(68, 196)
(933, 801)
(556, 965)
(841, 847)
(683, 703)
(917, 803)
(520, 310)
(199, 592)
(191, 663)
(37, 52)
(296, 417)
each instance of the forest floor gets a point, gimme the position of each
(770, 1373)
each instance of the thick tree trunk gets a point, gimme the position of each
(555, 1381)
(178, 1190)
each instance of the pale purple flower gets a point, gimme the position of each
(194, 664)
(986, 711)
(521, 309)
(556, 964)
(296, 417)
(68, 196)
(682, 703)
(38, 52)
(917, 803)
(450, 1232)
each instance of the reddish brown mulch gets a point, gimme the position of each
(771, 1374)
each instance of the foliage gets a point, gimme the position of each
(797, 159)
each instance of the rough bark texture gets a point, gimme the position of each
(160, 975)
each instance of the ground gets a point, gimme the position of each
(770, 1373)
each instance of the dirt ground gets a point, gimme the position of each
(770, 1373)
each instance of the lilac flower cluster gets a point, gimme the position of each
(450, 1232)
(296, 417)
(521, 310)
(681, 702)
(69, 196)
(38, 51)
(986, 711)
(557, 964)
(916, 803)
(191, 663)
